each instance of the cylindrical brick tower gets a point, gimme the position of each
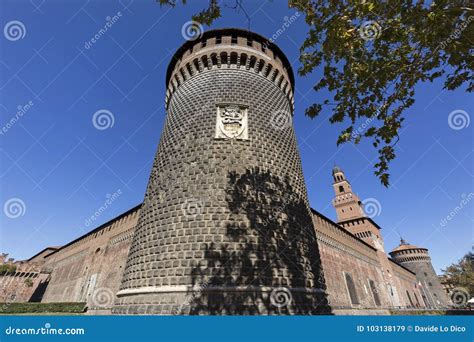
(225, 227)
(418, 260)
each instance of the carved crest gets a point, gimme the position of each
(231, 122)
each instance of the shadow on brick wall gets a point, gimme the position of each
(269, 243)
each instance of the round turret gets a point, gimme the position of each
(225, 227)
(417, 260)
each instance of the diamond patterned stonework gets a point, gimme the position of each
(225, 224)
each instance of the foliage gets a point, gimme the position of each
(6, 269)
(28, 282)
(461, 274)
(17, 308)
(372, 54)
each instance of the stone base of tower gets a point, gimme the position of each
(176, 300)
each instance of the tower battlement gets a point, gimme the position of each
(230, 49)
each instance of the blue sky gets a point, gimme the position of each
(62, 169)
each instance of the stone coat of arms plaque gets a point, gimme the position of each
(231, 122)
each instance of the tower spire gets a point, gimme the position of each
(348, 205)
(350, 211)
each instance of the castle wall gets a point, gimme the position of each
(343, 254)
(418, 261)
(379, 284)
(89, 269)
(409, 293)
(20, 287)
(364, 229)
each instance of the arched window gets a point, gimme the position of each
(341, 188)
(233, 58)
(253, 61)
(269, 69)
(224, 58)
(275, 75)
(196, 65)
(188, 67)
(243, 59)
(205, 62)
(261, 64)
(214, 59)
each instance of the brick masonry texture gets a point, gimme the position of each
(90, 268)
(248, 229)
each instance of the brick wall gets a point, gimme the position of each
(89, 269)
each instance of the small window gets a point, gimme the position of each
(204, 43)
(249, 42)
(430, 284)
(218, 40)
(341, 188)
(352, 289)
(234, 39)
(426, 274)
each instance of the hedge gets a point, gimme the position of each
(17, 308)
